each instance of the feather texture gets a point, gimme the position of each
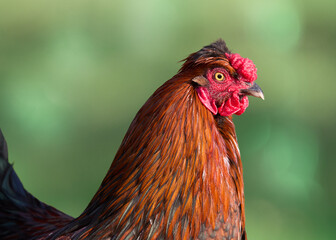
(22, 216)
(176, 175)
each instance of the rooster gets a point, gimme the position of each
(177, 174)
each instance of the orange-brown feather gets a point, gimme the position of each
(176, 175)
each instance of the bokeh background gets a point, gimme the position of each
(74, 73)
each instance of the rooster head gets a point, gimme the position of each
(222, 79)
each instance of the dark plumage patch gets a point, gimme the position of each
(22, 216)
(3, 147)
(214, 50)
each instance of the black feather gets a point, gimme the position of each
(215, 49)
(3, 147)
(22, 216)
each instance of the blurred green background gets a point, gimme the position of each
(74, 73)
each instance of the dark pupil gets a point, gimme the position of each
(219, 76)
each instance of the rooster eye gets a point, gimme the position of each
(219, 76)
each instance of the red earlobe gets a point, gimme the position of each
(207, 101)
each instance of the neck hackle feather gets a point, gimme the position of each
(177, 173)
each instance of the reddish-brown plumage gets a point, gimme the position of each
(178, 172)
(176, 175)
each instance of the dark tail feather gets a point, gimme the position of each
(22, 216)
(11, 188)
(3, 147)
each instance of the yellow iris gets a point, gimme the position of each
(219, 76)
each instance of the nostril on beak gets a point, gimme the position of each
(254, 90)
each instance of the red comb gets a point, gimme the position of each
(244, 66)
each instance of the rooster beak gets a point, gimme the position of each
(254, 90)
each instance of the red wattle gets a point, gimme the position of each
(244, 102)
(233, 105)
(229, 107)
